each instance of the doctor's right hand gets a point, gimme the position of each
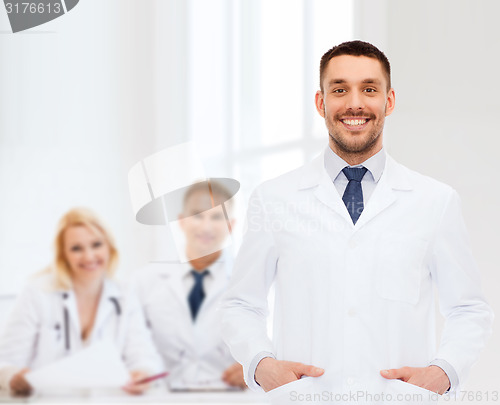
(19, 385)
(134, 386)
(271, 373)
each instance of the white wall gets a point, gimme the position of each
(445, 63)
(80, 104)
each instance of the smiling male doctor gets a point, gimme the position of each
(354, 243)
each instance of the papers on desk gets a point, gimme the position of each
(97, 366)
(178, 385)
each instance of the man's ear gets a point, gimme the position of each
(391, 102)
(319, 101)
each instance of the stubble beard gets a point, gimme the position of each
(347, 147)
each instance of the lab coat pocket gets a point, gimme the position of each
(294, 392)
(404, 393)
(400, 264)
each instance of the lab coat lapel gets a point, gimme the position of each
(383, 196)
(328, 195)
(176, 314)
(315, 175)
(173, 279)
(393, 179)
(219, 284)
(106, 307)
(69, 303)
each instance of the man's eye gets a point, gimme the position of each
(370, 90)
(339, 91)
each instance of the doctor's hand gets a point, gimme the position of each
(271, 373)
(19, 385)
(233, 376)
(432, 378)
(132, 387)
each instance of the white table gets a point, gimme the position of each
(158, 397)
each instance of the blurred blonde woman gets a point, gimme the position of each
(73, 304)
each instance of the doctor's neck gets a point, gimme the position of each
(88, 288)
(355, 157)
(201, 263)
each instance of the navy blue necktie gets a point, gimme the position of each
(197, 294)
(353, 194)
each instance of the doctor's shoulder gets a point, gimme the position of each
(432, 188)
(145, 280)
(125, 293)
(43, 284)
(36, 300)
(284, 184)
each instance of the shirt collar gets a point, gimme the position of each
(375, 164)
(214, 269)
(110, 288)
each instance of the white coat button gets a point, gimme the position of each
(352, 312)
(352, 244)
(350, 381)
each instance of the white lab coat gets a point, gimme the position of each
(355, 299)
(193, 353)
(35, 334)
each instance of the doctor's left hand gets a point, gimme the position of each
(432, 378)
(19, 385)
(233, 376)
(132, 387)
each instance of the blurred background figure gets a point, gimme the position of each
(72, 304)
(180, 299)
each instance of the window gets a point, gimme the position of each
(252, 83)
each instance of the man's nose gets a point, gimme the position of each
(354, 101)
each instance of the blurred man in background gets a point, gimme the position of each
(180, 300)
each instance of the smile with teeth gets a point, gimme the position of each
(90, 266)
(356, 122)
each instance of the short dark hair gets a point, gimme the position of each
(219, 194)
(355, 48)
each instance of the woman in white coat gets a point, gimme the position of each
(73, 304)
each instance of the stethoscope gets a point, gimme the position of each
(67, 339)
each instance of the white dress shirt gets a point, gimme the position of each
(375, 165)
